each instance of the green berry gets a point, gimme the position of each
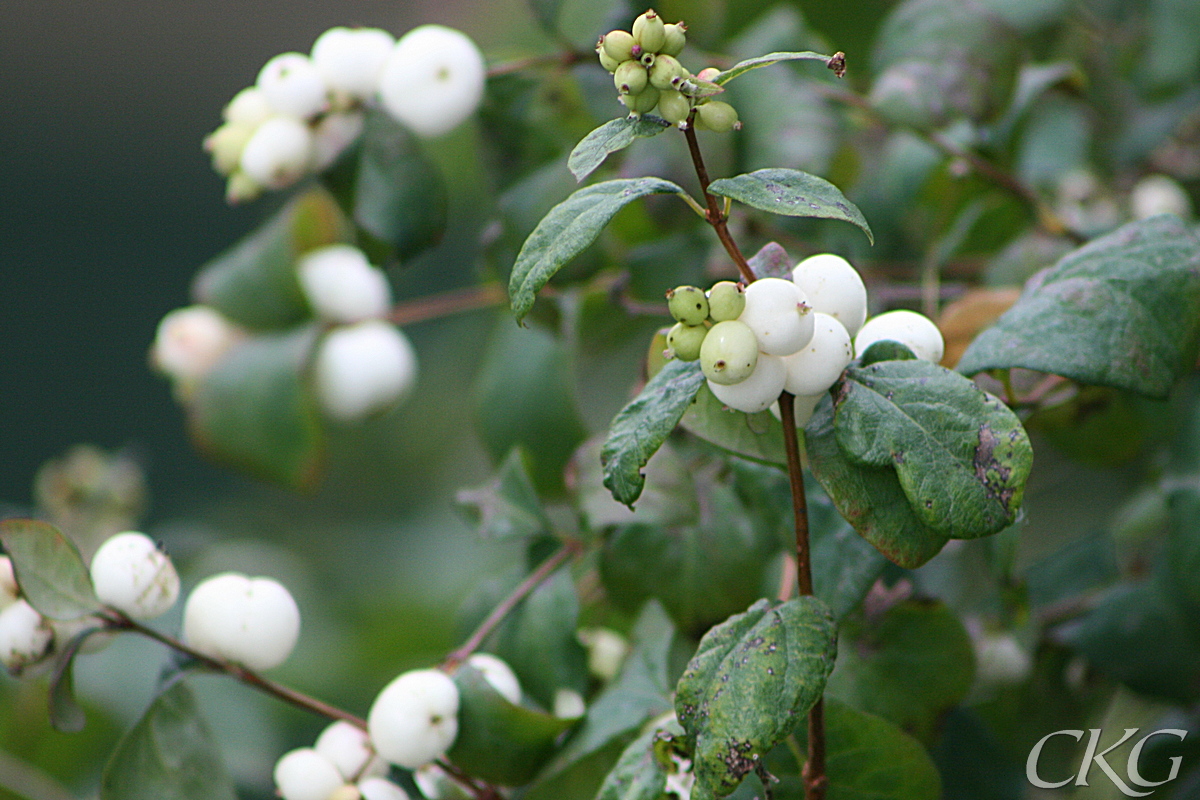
(676, 38)
(647, 59)
(729, 353)
(684, 341)
(630, 78)
(717, 116)
(642, 103)
(649, 31)
(726, 301)
(688, 305)
(665, 72)
(673, 106)
(606, 61)
(618, 45)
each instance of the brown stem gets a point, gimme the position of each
(534, 580)
(447, 303)
(481, 791)
(715, 216)
(564, 59)
(237, 671)
(815, 780)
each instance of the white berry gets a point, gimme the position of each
(342, 286)
(190, 341)
(433, 79)
(415, 718)
(333, 134)
(132, 575)
(293, 86)
(819, 363)
(25, 636)
(248, 107)
(833, 287)
(803, 407)
(498, 674)
(569, 704)
(280, 152)
(351, 59)
(757, 392)
(1159, 194)
(915, 331)
(379, 788)
(305, 774)
(253, 621)
(349, 749)
(779, 314)
(363, 368)
(9, 592)
(606, 651)
(1001, 659)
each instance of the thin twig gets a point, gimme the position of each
(715, 216)
(566, 58)
(534, 580)
(455, 301)
(237, 671)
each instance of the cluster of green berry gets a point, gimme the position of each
(648, 75)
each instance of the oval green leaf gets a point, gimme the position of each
(507, 506)
(755, 436)
(568, 229)
(612, 136)
(791, 193)
(49, 569)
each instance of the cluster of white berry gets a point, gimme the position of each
(648, 75)
(363, 364)
(304, 110)
(755, 342)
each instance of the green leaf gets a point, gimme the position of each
(170, 754)
(49, 569)
(791, 193)
(753, 679)
(255, 412)
(497, 741)
(869, 498)
(844, 564)
(638, 774)
(391, 190)
(65, 713)
(742, 67)
(869, 758)
(1182, 561)
(612, 136)
(1121, 311)
(568, 229)
(909, 666)
(669, 497)
(642, 426)
(254, 282)
(961, 455)
(758, 437)
(507, 506)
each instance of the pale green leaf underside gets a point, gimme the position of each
(614, 135)
(791, 193)
(49, 569)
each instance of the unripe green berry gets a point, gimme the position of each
(641, 103)
(708, 74)
(676, 38)
(688, 305)
(673, 106)
(618, 45)
(647, 59)
(726, 300)
(630, 78)
(606, 61)
(729, 353)
(684, 341)
(665, 72)
(717, 116)
(649, 31)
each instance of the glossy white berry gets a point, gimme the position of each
(280, 152)
(248, 107)
(569, 704)
(833, 287)
(433, 79)
(342, 286)
(436, 784)
(915, 331)
(819, 363)
(190, 341)
(333, 134)
(9, 592)
(305, 774)
(379, 788)
(293, 86)
(803, 407)
(351, 59)
(757, 392)
(25, 636)
(349, 749)
(253, 621)
(415, 718)
(1159, 194)
(779, 314)
(498, 674)
(364, 368)
(729, 352)
(132, 575)
(1001, 659)
(606, 651)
